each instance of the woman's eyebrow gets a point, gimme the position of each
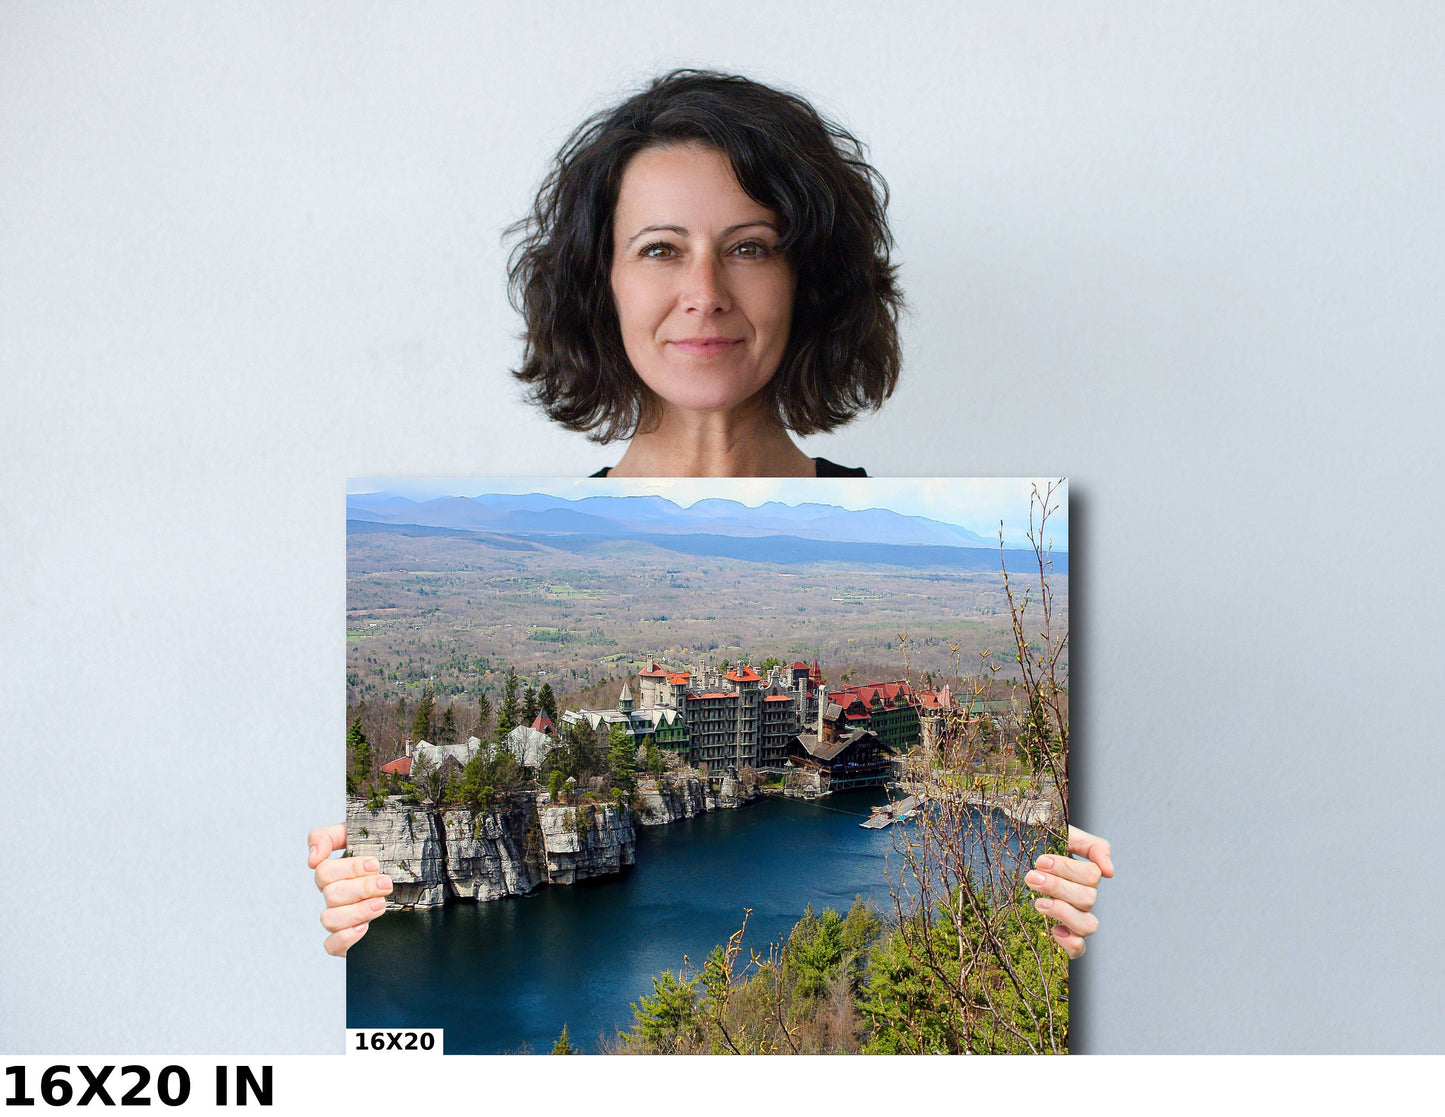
(680, 231)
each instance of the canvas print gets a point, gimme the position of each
(709, 765)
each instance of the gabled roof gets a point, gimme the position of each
(680, 679)
(799, 666)
(887, 693)
(437, 755)
(828, 751)
(529, 746)
(543, 724)
(654, 672)
(743, 674)
(401, 766)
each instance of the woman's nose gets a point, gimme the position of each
(705, 287)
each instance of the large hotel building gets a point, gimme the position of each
(738, 719)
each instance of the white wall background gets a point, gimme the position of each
(1188, 255)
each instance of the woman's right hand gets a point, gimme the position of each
(354, 888)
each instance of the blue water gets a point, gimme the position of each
(506, 975)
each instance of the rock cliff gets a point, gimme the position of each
(592, 840)
(486, 855)
(671, 798)
(508, 851)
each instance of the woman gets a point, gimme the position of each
(705, 273)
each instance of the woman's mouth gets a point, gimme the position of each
(705, 346)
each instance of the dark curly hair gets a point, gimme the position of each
(843, 354)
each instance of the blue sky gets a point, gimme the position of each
(977, 503)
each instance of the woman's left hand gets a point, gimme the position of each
(1070, 887)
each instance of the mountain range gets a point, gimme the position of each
(772, 532)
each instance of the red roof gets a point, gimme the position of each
(542, 723)
(778, 698)
(401, 766)
(884, 692)
(744, 674)
(680, 679)
(654, 671)
(799, 666)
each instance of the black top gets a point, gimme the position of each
(825, 469)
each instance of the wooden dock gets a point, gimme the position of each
(890, 813)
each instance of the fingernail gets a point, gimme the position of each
(313, 853)
(1043, 904)
(1045, 862)
(383, 883)
(371, 864)
(1035, 880)
(378, 904)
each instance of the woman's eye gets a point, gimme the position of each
(751, 249)
(660, 250)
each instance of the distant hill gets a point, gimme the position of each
(782, 550)
(626, 517)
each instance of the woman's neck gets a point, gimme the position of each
(714, 444)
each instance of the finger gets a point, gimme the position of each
(338, 919)
(354, 889)
(1081, 923)
(1080, 896)
(342, 868)
(338, 944)
(1095, 848)
(323, 842)
(1080, 872)
(1073, 944)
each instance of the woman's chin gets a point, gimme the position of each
(700, 401)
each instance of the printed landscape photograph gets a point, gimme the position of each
(720, 765)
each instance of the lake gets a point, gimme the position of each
(506, 975)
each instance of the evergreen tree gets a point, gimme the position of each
(622, 757)
(448, 731)
(358, 757)
(484, 717)
(548, 701)
(421, 722)
(563, 1046)
(529, 706)
(668, 1021)
(511, 709)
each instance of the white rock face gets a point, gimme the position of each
(487, 854)
(406, 842)
(593, 840)
(734, 793)
(671, 798)
(509, 851)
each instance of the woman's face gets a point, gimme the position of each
(703, 296)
